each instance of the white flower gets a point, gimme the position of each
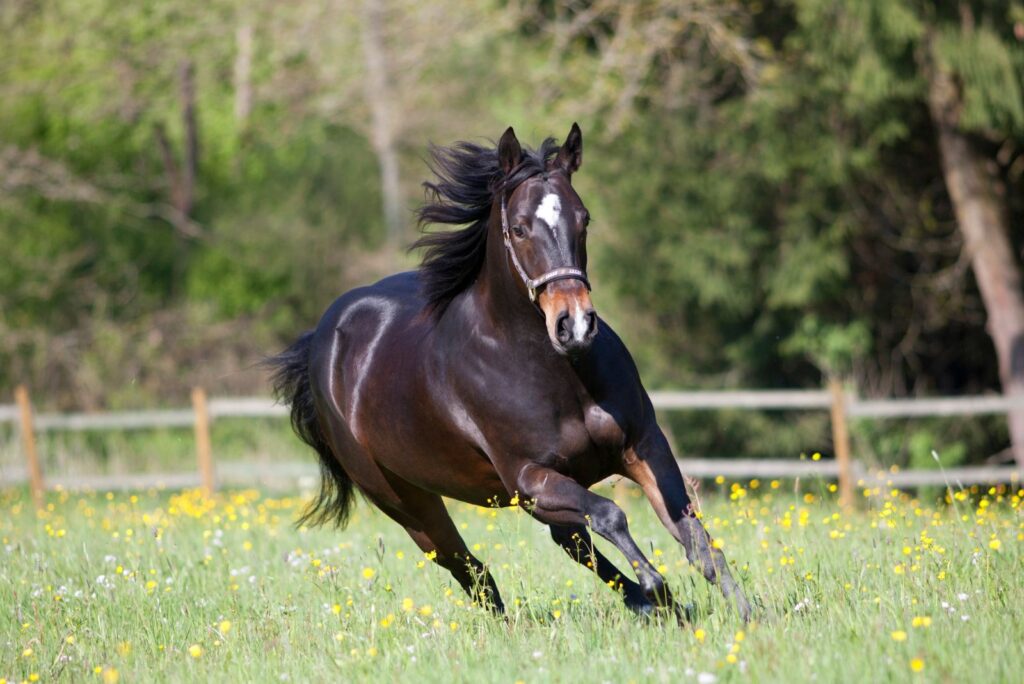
(706, 678)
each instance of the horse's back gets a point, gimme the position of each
(353, 338)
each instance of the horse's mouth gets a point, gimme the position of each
(569, 317)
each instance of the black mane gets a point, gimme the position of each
(468, 176)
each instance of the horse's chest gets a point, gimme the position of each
(589, 444)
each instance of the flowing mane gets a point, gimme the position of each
(467, 177)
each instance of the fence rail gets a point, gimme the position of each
(263, 407)
(842, 406)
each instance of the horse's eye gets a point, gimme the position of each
(518, 230)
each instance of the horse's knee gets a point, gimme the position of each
(607, 519)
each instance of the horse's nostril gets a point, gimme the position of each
(591, 324)
(563, 328)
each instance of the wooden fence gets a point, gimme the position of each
(841, 405)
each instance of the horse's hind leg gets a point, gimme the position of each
(421, 513)
(576, 541)
(425, 518)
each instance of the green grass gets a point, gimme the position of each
(364, 605)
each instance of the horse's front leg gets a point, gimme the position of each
(651, 465)
(556, 499)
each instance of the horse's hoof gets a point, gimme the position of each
(642, 608)
(744, 609)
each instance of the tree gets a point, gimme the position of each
(974, 89)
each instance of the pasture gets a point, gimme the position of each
(177, 587)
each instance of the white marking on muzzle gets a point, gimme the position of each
(579, 324)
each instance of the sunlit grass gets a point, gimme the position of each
(178, 587)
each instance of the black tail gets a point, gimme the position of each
(290, 379)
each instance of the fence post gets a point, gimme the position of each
(28, 443)
(204, 457)
(841, 442)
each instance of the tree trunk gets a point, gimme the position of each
(190, 163)
(382, 134)
(243, 74)
(982, 216)
(181, 177)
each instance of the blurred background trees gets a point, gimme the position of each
(781, 191)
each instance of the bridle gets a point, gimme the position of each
(534, 284)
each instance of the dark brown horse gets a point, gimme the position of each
(486, 376)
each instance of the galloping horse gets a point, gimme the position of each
(486, 376)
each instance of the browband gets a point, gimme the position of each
(534, 284)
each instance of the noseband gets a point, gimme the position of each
(534, 284)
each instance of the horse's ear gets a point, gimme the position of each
(510, 153)
(570, 155)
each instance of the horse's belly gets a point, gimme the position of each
(456, 471)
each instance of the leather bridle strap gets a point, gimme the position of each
(534, 284)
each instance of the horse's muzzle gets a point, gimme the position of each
(569, 316)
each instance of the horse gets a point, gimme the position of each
(486, 376)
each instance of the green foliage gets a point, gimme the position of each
(768, 198)
(991, 71)
(833, 348)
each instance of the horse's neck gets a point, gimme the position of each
(499, 300)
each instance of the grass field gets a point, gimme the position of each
(172, 586)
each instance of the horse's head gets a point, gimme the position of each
(545, 230)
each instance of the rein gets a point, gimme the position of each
(534, 284)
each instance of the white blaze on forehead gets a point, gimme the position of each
(550, 209)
